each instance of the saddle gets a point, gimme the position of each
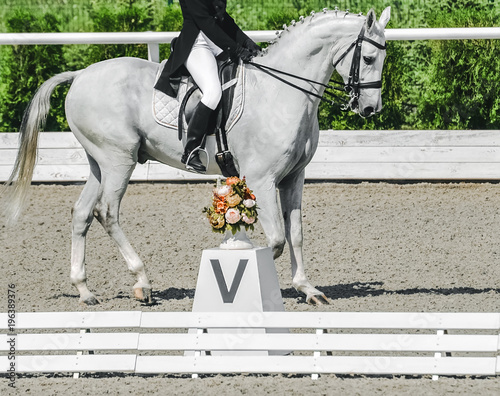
(171, 112)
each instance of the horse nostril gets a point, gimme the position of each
(368, 111)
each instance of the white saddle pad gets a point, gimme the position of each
(166, 108)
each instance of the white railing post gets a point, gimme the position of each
(80, 353)
(154, 52)
(438, 355)
(315, 376)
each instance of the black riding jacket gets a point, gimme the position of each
(210, 17)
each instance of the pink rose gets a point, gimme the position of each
(249, 203)
(233, 216)
(247, 220)
(223, 191)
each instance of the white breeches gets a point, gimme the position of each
(202, 66)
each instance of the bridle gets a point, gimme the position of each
(353, 85)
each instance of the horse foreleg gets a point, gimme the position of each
(83, 214)
(114, 184)
(291, 205)
(269, 215)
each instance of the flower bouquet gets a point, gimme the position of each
(233, 206)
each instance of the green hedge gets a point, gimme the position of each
(25, 68)
(460, 82)
(451, 84)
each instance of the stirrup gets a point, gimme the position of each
(189, 167)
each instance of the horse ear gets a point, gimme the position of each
(370, 20)
(384, 18)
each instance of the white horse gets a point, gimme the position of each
(108, 108)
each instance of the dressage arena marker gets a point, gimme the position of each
(237, 281)
(241, 280)
(377, 343)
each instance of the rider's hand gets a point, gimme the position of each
(242, 53)
(252, 47)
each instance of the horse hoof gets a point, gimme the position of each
(317, 300)
(91, 301)
(144, 294)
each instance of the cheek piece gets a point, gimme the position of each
(354, 85)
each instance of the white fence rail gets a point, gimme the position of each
(257, 35)
(341, 155)
(153, 39)
(322, 342)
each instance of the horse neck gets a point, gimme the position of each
(307, 49)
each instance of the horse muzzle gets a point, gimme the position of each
(367, 112)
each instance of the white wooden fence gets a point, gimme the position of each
(323, 342)
(153, 39)
(256, 35)
(341, 155)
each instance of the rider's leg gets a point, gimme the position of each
(202, 66)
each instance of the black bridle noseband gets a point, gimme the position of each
(353, 85)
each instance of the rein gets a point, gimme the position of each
(328, 90)
(353, 85)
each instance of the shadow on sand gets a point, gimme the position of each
(343, 291)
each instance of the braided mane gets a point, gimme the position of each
(309, 19)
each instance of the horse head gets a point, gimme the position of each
(362, 74)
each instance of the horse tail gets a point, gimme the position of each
(34, 119)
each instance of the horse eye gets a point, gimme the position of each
(368, 59)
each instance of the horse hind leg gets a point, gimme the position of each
(113, 186)
(83, 214)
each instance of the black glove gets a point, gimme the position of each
(242, 53)
(252, 47)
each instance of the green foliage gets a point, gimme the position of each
(461, 84)
(30, 67)
(130, 17)
(278, 19)
(24, 68)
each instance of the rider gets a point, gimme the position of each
(207, 32)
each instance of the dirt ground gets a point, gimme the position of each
(368, 247)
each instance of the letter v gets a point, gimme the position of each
(228, 295)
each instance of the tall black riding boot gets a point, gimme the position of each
(197, 129)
